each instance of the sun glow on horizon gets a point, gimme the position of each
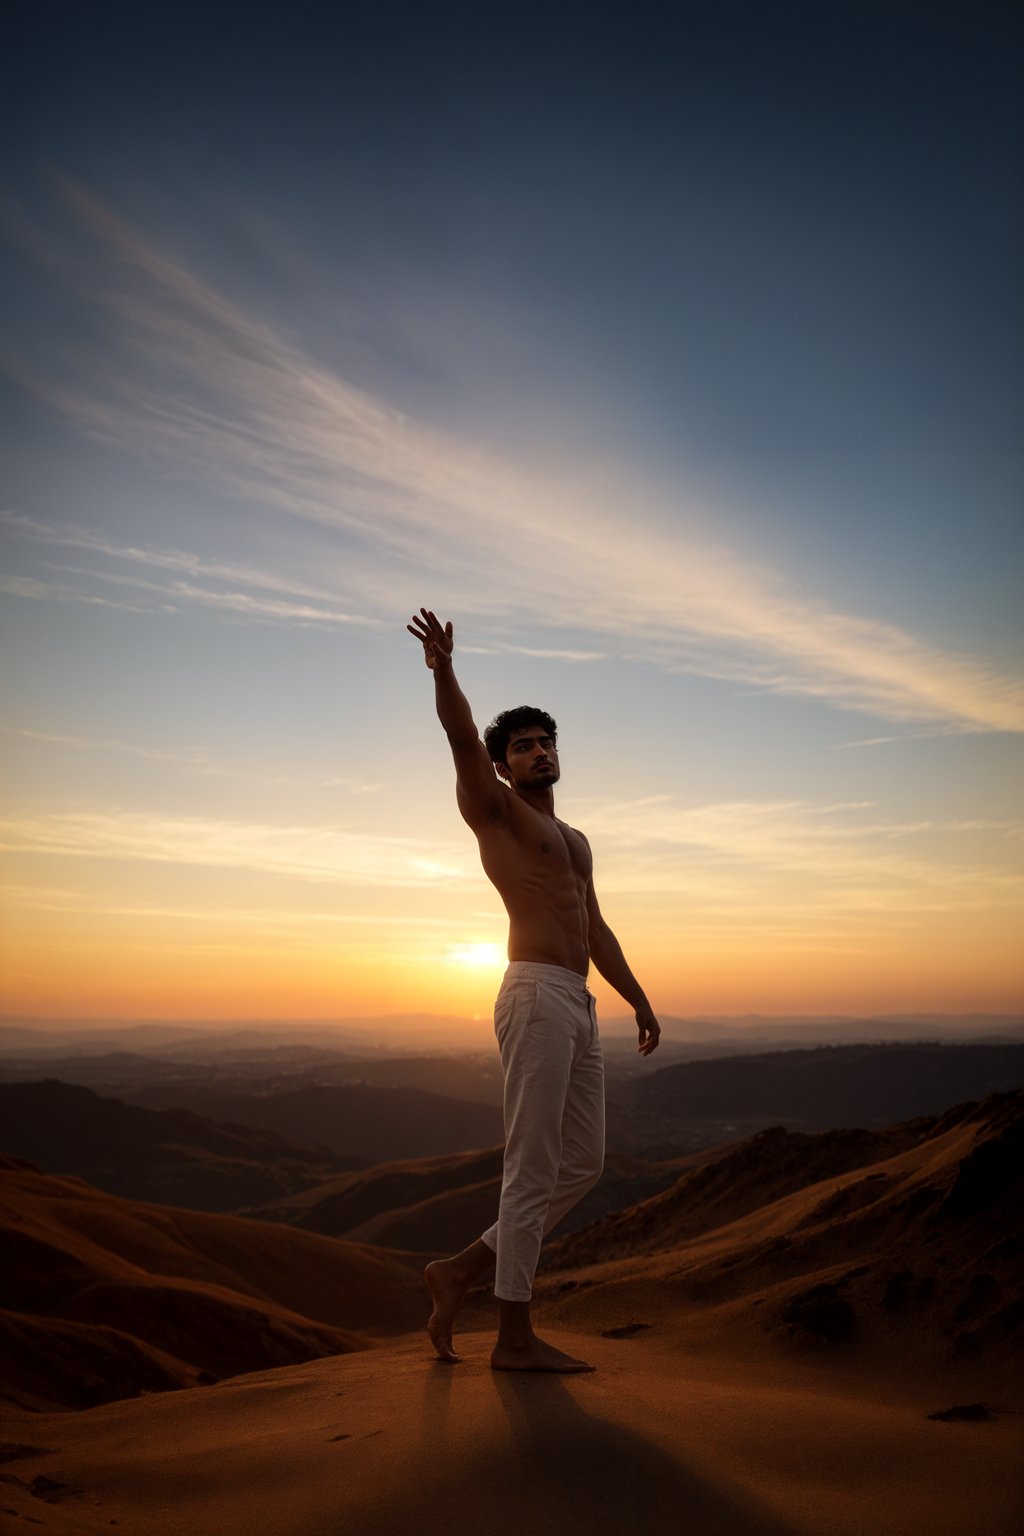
(477, 956)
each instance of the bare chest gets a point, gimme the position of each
(558, 847)
(534, 852)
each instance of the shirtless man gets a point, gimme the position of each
(544, 1017)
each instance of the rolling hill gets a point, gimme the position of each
(103, 1298)
(358, 1119)
(441, 1204)
(918, 1241)
(170, 1156)
(810, 1090)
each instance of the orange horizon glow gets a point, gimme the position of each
(721, 910)
(97, 975)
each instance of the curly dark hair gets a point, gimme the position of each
(504, 726)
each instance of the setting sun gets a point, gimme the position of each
(479, 956)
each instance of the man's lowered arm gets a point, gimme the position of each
(606, 953)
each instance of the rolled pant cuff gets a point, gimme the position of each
(528, 1297)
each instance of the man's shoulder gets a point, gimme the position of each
(574, 830)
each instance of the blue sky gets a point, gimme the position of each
(676, 357)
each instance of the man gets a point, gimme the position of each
(544, 1017)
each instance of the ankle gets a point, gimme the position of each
(517, 1339)
(459, 1271)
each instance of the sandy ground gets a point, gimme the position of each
(657, 1440)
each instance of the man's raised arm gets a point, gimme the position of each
(481, 798)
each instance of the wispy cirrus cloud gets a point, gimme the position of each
(541, 653)
(321, 854)
(842, 856)
(196, 760)
(32, 588)
(198, 384)
(68, 899)
(257, 608)
(244, 592)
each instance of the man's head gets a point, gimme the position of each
(522, 746)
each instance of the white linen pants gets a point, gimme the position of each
(545, 1020)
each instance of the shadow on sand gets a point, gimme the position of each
(537, 1463)
(594, 1475)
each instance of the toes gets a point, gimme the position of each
(442, 1346)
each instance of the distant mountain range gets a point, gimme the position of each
(420, 1033)
(130, 1075)
(212, 1137)
(286, 1139)
(18, 1033)
(170, 1156)
(818, 1089)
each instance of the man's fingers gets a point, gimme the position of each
(431, 625)
(428, 624)
(424, 630)
(434, 637)
(650, 1034)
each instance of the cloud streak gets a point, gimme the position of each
(270, 600)
(842, 856)
(198, 384)
(319, 854)
(748, 862)
(193, 760)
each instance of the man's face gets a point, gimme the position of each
(531, 758)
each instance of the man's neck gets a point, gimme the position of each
(542, 800)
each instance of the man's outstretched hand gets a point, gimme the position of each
(437, 643)
(650, 1030)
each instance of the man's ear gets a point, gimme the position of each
(501, 769)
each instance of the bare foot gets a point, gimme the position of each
(446, 1292)
(534, 1355)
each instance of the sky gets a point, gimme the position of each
(673, 352)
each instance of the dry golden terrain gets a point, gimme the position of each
(781, 1350)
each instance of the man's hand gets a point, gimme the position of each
(437, 643)
(650, 1030)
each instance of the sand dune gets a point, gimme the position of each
(910, 1238)
(732, 1396)
(660, 1440)
(152, 1296)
